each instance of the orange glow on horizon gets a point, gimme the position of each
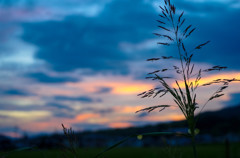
(12, 134)
(205, 80)
(118, 85)
(130, 88)
(83, 117)
(120, 125)
(128, 109)
(170, 117)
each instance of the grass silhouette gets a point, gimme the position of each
(188, 77)
(184, 95)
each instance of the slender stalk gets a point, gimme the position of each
(191, 123)
(194, 146)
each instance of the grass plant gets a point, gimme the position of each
(188, 76)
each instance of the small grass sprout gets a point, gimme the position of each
(73, 143)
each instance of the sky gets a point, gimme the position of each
(83, 62)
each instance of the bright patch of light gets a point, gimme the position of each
(18, 52)
(89, 11)
(29, 115)
(144, 45)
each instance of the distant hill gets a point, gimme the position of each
(214, 127)
(221, 122)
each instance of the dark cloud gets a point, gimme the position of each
(92, 43)
(75, 43)
(143, 123)
(61, 110)
(10, 128)
(63, 114)
(201, 8)
(15, 92)
(9, 106)
(143, 114)
(84, 99)
(101, 111)
(220, 27)
(104, 90)
(217, 23)
(13, 3)
(88, 126)
(59, 106)
(3, 117)
(235, 100)
(41, 77)
(223, 33)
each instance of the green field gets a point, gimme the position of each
(204, 151)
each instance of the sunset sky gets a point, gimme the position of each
(83, 62)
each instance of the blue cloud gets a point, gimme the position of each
(17, 92)
(101, 111)
(92, 43)
(59, 106)
(141, 115)
(104, 90)
(214, 22)
(204, 8)
(234, 101)
(224, 32)
(84, 99)
(41, 77)
(88, 126)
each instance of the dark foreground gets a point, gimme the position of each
(204, 151)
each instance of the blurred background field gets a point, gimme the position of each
(215, 128)
(204, 151)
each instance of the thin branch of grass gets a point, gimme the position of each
(143, 134)
(185, 96)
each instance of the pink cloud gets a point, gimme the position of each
(18, 14)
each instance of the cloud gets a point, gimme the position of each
(16, 92)
(59, 106)
(217, 24)
(26, 115)
(101, 111)
(142, 114)
(84, 99)
(14, 51)
(89, 126)
(102, 90)
(43, 10)
(234, 100)
(86, 117)
(74, 45)
(120, 125)
(91, 43)
(44, 78)
(119, 85)
(210, 78)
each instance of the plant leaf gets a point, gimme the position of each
(143, 134)
(201, 45)
(149, 109)
(164, 28)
